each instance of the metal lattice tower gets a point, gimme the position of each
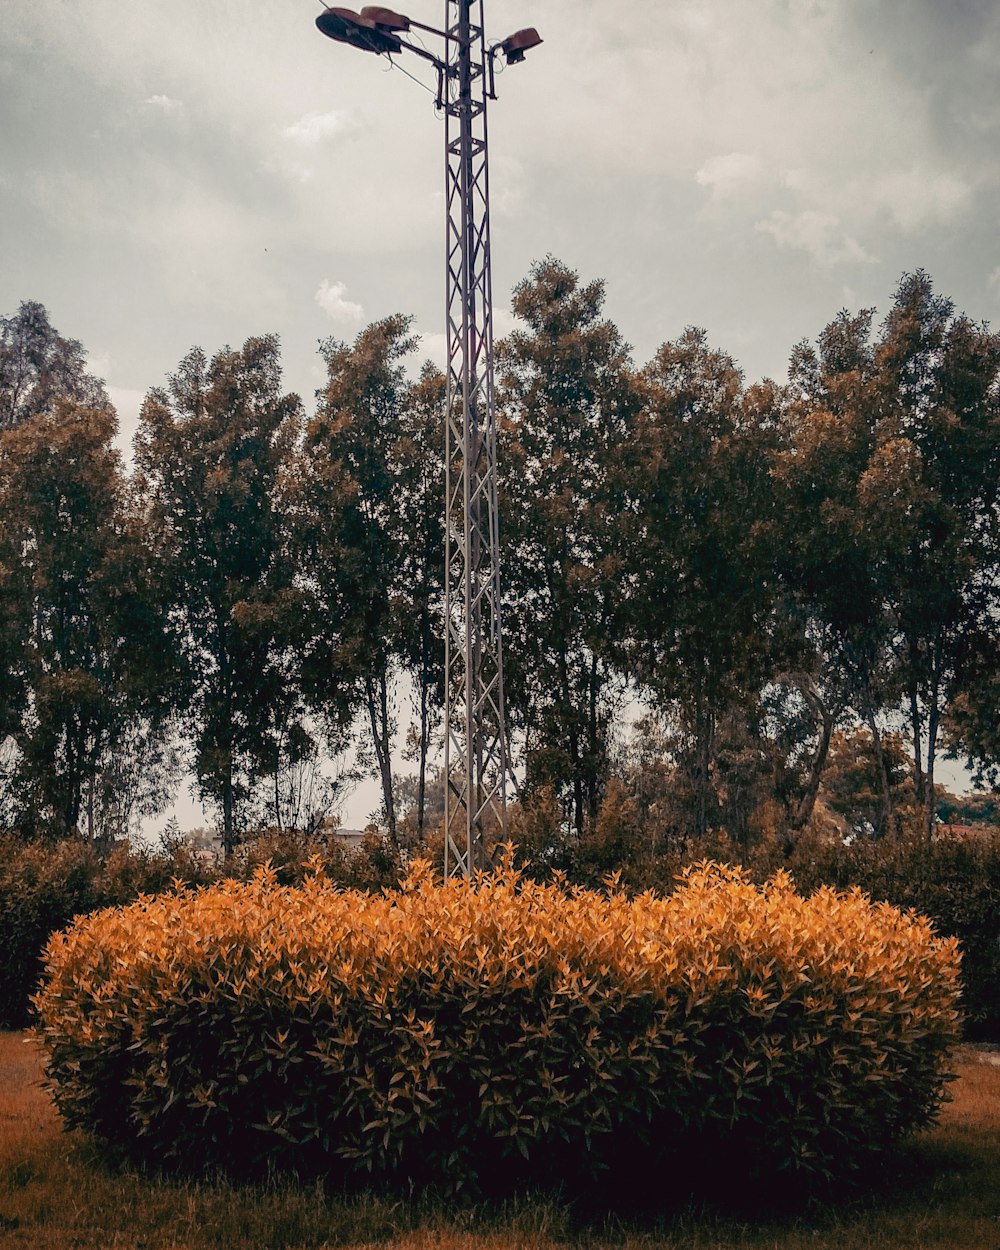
(476, 758)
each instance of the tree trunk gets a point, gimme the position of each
(704, 733)
(888, 808)
(277, 786)
(918, 765)
(424, 736)
(228, 706)
(378, 716)
(807, 802)
(593, 744)
(74, 787)
(930, 804)
(228, 833)
(578, 803)
(933, 724)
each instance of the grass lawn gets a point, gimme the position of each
(55, 1194)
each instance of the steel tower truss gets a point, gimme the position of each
(476, 756)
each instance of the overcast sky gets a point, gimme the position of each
(183, 172)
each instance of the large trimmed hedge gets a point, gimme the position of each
(499, 1035)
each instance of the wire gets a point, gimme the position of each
(395, 64)
(417, 38)
(418, 81)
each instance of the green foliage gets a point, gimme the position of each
(567, 400)
(210, 451)
(42, 887)
(852, 781)
(293, 857)
(74, 588)
(38, 367)
(500, 1035)
(954, 880)
(367, 506)
(704, 631)
(889, 489)
(981, 808)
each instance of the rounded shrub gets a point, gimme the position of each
(503, 1034)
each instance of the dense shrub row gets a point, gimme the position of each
(500, 1035)
(953, 880)
(44, 885)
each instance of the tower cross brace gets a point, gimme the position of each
(476, 757)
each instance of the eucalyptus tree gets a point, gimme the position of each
(418, 522)
(972, 721)
(348, 508)
(705, 629)
(936, 487)
(38, 367)
(892, 486)
(88, 672)
(567, 401)
(210, 454)
(835, 560)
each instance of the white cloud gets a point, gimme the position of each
(504, 321)
(994, 279)
(165, 103)
(733, 174)
(918, 197)
(312, 128)
(434, 347)
(817, 233)
(652, 153)
(332, 298)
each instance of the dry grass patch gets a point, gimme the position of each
(56, 1194)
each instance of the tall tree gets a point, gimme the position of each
(73, 577)
(418, 514)
(210, 451)
(567, 401)
(833, 560)
(347, 508)
(972, 721)
(894, 481)
(702, 598)
(936, 483)
(38, 366)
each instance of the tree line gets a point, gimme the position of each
(796, 582)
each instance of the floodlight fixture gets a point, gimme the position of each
(359, 31)
(383, 18)
(515, 46)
